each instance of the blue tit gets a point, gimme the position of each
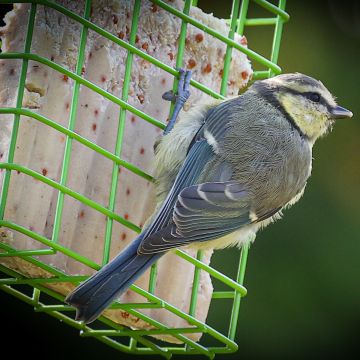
(225, 170)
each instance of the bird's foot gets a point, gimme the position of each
(179, 98)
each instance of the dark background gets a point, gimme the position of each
(303, 272)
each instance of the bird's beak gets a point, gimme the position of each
(339, 112)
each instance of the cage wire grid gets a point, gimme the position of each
(137, 341)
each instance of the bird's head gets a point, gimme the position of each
(306, 102)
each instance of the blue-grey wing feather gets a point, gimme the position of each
(203, 212)
(197, 158)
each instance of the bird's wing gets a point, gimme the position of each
(200, 152)
(202, 212)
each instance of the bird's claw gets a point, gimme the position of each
(181, 96)
(169, 96)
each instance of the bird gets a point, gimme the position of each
(223, 170)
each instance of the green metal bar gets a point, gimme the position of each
(257, 21)
(195, 287)
(213, 349)
(223, 294)
(237, 298)
(48, 308)
(19, 100)
(227, 60)
(152, 278)
(36, 297)
(274, 9)
(78, 138)
(125, 306)
(24, 253)
(120, 134)
(141, 332)
(222, 350)
(72, 121)
(252, 54)
(70, 192)
(258, 75)
(242, 17)
(277, 36)
(33, 281)
(150, 297)
(216, 274)
(260, 22)
(132, 344)
(110, 323)
(65, 319)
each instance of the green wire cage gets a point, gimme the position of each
(34, 291)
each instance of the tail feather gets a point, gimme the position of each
(101, 289)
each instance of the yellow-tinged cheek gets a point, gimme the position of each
(310, 119)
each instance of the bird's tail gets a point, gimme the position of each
(102, 288)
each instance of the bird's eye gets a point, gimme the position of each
(315, 97)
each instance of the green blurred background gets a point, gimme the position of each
(303, 272)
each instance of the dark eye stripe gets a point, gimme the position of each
(321, 100)
(307, 94)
